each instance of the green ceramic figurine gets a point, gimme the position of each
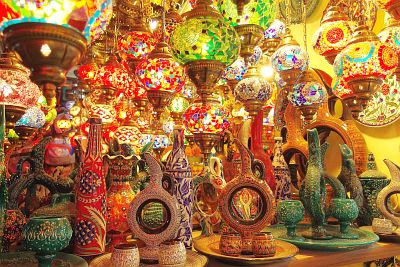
(313, 190)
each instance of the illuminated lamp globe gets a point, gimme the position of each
(253, 91)
(177, 107)
(234, 73)
(107, 113)
(249, 18)
(88, 72)
(391, 6)
(206, 122)
(333, 35)
(272, 36)
(135, 46)
(129, 135)
(290, 61)
(390, 35)
(308, 95)
(364, 64)
(206, 45)
(137, 94)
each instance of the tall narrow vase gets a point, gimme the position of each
(281, 172)
(178, 167)
(258, 151)
(90, 223)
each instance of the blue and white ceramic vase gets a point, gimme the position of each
(177, 166)
(281, 172)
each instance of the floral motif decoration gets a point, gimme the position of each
(384, 106)
(135, 91)
(207, 118)
(366, 59)
(307, 94)
(136, 45)
(259, 12)
(391, 36)
(253, 88)
(290, 57)
(160, 74)
(333, 36)
(340, 88)
(205, 38)
(276, 30)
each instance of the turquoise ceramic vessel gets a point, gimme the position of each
(46, 235)
(346, 211)
(291, 212)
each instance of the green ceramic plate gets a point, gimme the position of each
(24, 259)
(366, 238)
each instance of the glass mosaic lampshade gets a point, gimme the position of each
(177, 107)
(308, 95)
(335, 32)
(88, 72)
(364, 65)
(88, 17)
(272, 36)
(390, 35)
(129, 135)
(34, 117)
(391, 6)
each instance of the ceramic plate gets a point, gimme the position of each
(193, 259)
(394, 237)
(366, 238)
(210, 246)
(24, 259)
(384, 107)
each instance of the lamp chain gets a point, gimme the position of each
(304, 14)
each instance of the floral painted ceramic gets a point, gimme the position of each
(125, 255)
(46, 236)
(14, 224)
(230, 244)
(172, 253)
(264, 245)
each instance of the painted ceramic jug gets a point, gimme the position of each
(258, 151)
(177, 166)
(46, 236)
(90, 223)
(281, 172)
(119, 196)
(372, 181)
(383, 198)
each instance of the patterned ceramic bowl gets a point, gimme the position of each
(125, 255)
(172, 253)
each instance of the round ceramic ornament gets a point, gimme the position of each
(247, 204)
(153, 215)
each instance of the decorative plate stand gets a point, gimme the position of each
(247, 204)
(153, 236)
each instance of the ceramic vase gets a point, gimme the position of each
(264, 245)
(177, 166)
(119, 196)
(281, 172)
(14, 225)
(230, 244)
(346, 211)
(46, 236)
(372, 181)
(258, 151)
(172, 253)
(125, 255)
(90, 222)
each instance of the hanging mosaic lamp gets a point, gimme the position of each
(17, 91)
(364, 65)
(335, 32)
(206, 121)
(205, 44)
(273, 36)
(290, 60)
(308, 95)
(88, 69)
(250, 18)
(390, 35)
(253, 91)
(177, 107)
(391, 6)
(172, 19)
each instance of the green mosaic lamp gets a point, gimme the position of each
(205, 44)
(250, 18)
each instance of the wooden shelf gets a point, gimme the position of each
(308, 258)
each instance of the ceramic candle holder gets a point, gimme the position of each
(172, 253)
(46, 236)
(125, 255)
(382, 226)
(230, 244)
(291, 212)
(346, 211)
(264, 245)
